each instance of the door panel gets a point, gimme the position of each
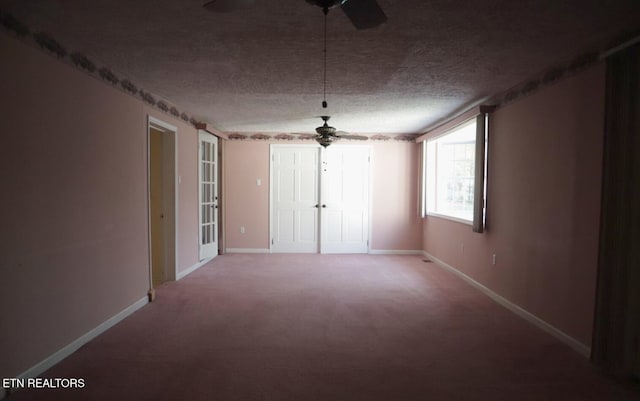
(208, 188)
(157, 206)
(345, 192)
(295, 198)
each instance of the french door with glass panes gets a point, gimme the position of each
(208, 188)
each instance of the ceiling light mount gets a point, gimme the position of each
(325, 5)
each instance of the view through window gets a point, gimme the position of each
(449, 174)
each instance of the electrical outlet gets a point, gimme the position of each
(493, 259)
(241, 229)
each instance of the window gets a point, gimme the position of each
(453, 169)
(450, 178)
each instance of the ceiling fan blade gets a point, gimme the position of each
(364, 14)
(226, 6)
(346, 135)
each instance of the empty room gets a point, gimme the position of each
(320, 200)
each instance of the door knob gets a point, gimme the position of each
(324, 205)
(316, 205)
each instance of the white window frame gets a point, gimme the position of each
(481, 119)
(432, 178)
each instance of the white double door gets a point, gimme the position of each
(320, 198)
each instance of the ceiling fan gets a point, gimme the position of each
(326, 134)
(363, 14)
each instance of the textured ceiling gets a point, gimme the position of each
(260, 69)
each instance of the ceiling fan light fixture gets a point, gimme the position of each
(325, 141)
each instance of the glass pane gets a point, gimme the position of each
(450, 173)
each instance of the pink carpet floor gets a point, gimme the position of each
(326, 328)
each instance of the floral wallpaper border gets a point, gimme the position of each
(561, 70)
(49, 44)
(240, 136)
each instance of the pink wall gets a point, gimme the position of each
(245, 203)
(73, 165)
(395, 225)
(395, 221)
(543, 205)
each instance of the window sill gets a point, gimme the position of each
(445, 217)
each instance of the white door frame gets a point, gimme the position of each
(172, 134)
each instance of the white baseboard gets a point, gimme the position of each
(531, 318)
(69, 349)
(394, 252)
(189, 270)
(248, 250)
(371, 251)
